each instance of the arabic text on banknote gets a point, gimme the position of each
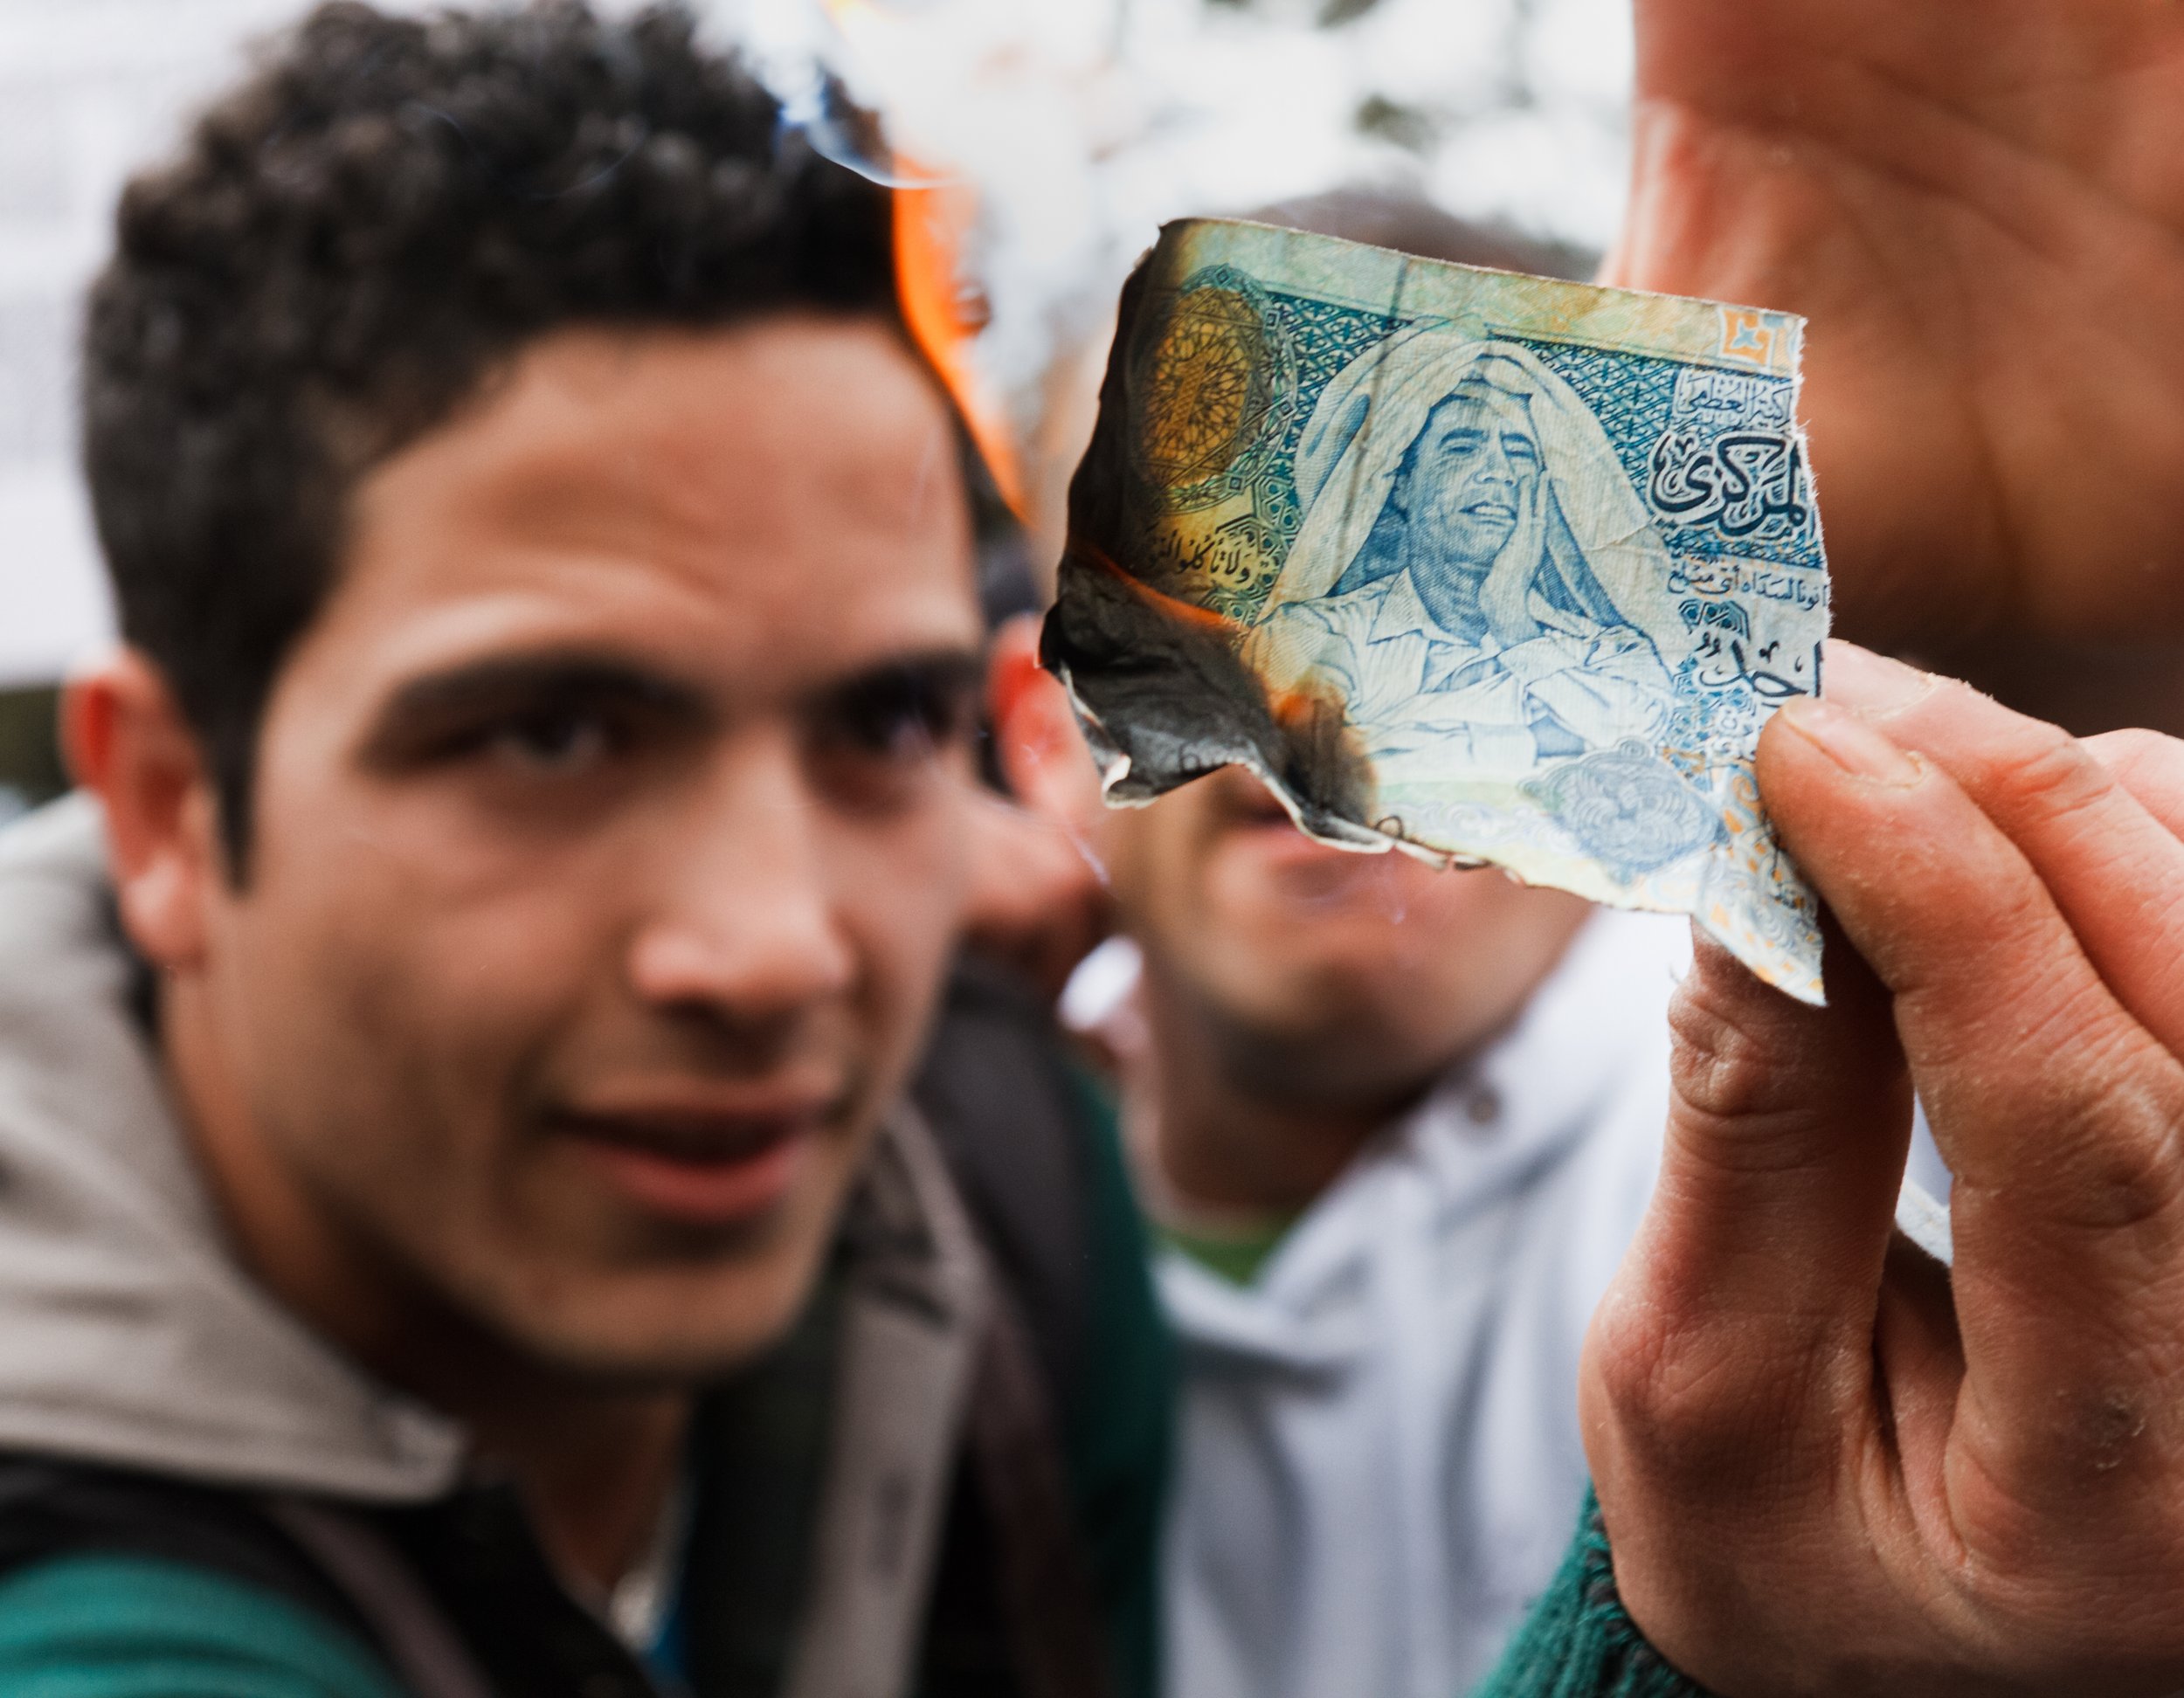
(1494, 569)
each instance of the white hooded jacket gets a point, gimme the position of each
(1379, 1463)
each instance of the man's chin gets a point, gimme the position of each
(675, 1326)
(1313, 1020)
(671, 1358)
(1307, 1068)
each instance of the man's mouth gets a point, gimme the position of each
(704, 1165)
(1492, 513)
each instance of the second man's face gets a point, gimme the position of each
(1326, 975)
(608, 836)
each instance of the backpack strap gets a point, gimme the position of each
(396, 1580)
(412, 1632)
(914, 1308)
(1046, 1580)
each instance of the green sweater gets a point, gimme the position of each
(1578, 1641)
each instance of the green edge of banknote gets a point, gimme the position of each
(1493, 569)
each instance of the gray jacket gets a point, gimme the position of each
(135, 1339)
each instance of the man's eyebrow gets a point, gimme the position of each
(947, 669)
(457, 695)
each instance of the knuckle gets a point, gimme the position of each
(1686, 1399)
(1727, 1060)
(2044, 775)
(2070, 1493)
(2115, 1162)
(2098, 1117)
(2135, 748)
(2128, 1176)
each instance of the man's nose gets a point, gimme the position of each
(749, 925)
(1494, 465)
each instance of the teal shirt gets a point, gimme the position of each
(129, 1627)
(140, 1627)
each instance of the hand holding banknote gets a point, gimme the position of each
(1980, 205)
(1827, 1465)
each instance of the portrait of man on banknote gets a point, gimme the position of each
(1437, 583)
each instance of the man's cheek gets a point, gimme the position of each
(426, 948)
(412, 1037)
(906, 908)
(928, 860)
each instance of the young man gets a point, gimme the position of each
(462, 1228)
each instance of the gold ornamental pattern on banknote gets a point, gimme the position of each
(1490, 567)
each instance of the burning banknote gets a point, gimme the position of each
(1494, 568)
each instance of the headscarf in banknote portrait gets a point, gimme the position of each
(1473, 567)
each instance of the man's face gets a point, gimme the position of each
(1319, 975)
(607, 839)
(1474, 468)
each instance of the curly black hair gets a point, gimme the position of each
(354, 238)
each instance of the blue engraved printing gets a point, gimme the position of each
(1712, 454)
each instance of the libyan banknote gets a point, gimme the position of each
(1490, 567)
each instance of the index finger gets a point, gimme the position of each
(2150, 767)
(2056, 1110)
(2115, 870)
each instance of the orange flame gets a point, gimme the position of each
(935, 216)
(1176, 611)
(945, 309)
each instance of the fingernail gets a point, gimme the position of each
(1849, 742)
(1867, 683)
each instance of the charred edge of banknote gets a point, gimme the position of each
(1161, 680)
(1165, 689)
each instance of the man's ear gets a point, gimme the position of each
(128, 743)
(1042, 753)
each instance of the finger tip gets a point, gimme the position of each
(1811, 741)
(1786, 761)
(1715, 972)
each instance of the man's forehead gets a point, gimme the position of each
(786, 424)
(1477, 402)
(626, 615)
(782, 499)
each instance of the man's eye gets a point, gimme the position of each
(556, 740)
(1521, 448)
(899, 717)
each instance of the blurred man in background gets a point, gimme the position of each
(462, 1229)
(1394, 1127)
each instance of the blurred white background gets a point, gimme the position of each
(1084, 123)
